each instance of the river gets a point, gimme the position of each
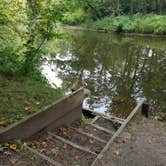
(118, 70)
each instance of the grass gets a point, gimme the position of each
(86, 119)
(22, 96)
(145, 24)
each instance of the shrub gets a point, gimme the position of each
(73, 18)
(147, 24)
(10, 60)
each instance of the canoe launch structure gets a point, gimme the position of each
(79, 143)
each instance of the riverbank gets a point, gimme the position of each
(137, 24)
(141, 143)
(84, 28)
(22, 96)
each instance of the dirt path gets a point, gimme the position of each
(142, 143)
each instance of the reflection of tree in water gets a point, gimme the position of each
(112, 66)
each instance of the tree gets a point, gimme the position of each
(40, 27)
(12, 18)
(24, 27)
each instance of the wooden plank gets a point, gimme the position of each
(72, 144)
(95, 119)
(136, 110)
(110, 117)
(90, 135)
(41, 119)
(69, 118)
(102, 129)
(49, 160)
(113, 119)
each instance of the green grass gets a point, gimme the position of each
(145, 24)
(86, 119)
(22, 96)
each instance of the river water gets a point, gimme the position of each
(118, 70)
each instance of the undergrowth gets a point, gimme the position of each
(138, 23)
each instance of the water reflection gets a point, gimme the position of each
(119, 70)
(49, 70)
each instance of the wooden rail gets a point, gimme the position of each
(72, 144)
(137, 109)
(62, 112)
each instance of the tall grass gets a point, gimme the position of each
(146, 24)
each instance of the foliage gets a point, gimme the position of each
(10, 60)
(67, 12)
(11, 36)
(86, 119)
(25, 26)
(98, 9)
(74, 18)
(153, 24)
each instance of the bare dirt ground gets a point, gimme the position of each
(142, 143)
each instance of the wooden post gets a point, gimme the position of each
(145, 110)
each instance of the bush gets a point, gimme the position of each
(73, 18)
(10, 60)
(147, 24)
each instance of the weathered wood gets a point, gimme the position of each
(72, 144)
(102, 129)
(109, 117)
(114, 119)
(70, 117)
(48, 159)
(90, 135)
(137, 109)
(145, 110)
(95, 119)
(42, 119)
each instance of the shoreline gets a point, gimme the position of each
(76, 27)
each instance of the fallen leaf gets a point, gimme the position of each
(92, 140)
(35, 143)
(44, 144)
(61, 157)
(65, 146)
(13, 147)
(116, 152)
(45, 151)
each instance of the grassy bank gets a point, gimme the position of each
(21, 96)
(145, 24)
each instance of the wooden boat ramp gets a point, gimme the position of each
(80, 143)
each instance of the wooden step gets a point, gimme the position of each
(95, 119)
(109, 117)
(90, 135)
(102, 129)
(72, 144)
(49, 160)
